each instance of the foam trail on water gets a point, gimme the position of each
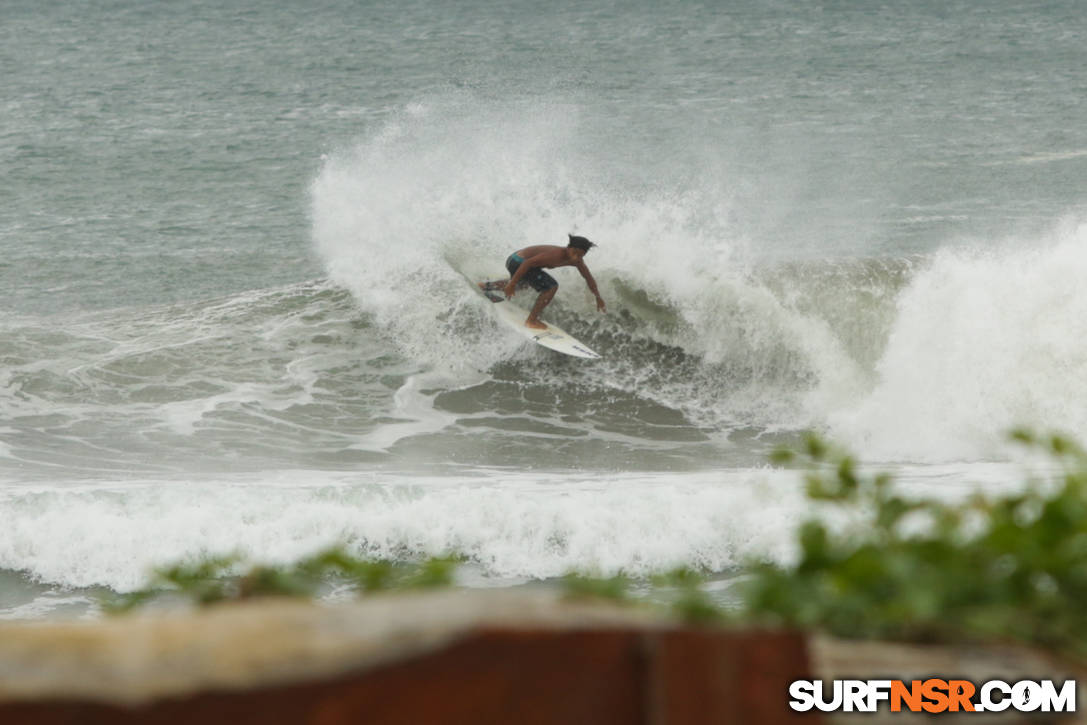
(417, 407)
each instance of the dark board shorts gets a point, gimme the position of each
(538, 279)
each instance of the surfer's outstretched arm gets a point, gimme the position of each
(592, 286)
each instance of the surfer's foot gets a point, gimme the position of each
(535, 324)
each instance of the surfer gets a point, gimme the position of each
(526, 267)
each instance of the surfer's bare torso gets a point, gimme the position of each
(526, 267)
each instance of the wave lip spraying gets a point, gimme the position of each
(982, 342)
(455, 185)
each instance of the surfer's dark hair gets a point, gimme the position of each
(580, 243)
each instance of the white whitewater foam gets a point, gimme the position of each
(983, 342)
(511, 524)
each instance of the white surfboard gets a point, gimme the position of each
(554, 337)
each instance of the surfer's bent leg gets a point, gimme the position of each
(546, 285)
(541, 302)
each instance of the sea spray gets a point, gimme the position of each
(451, 185)
(983, 340)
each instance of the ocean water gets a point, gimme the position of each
(234, 322)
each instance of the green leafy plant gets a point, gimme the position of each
(680, 591)
(582, 586)
(216, 579)
(690, 602)
(1012, 566)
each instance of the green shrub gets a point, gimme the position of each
(1010, 566)
(216, 579)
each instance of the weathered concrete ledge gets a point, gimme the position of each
(446, 657)
(451, 657)
(146, 655)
